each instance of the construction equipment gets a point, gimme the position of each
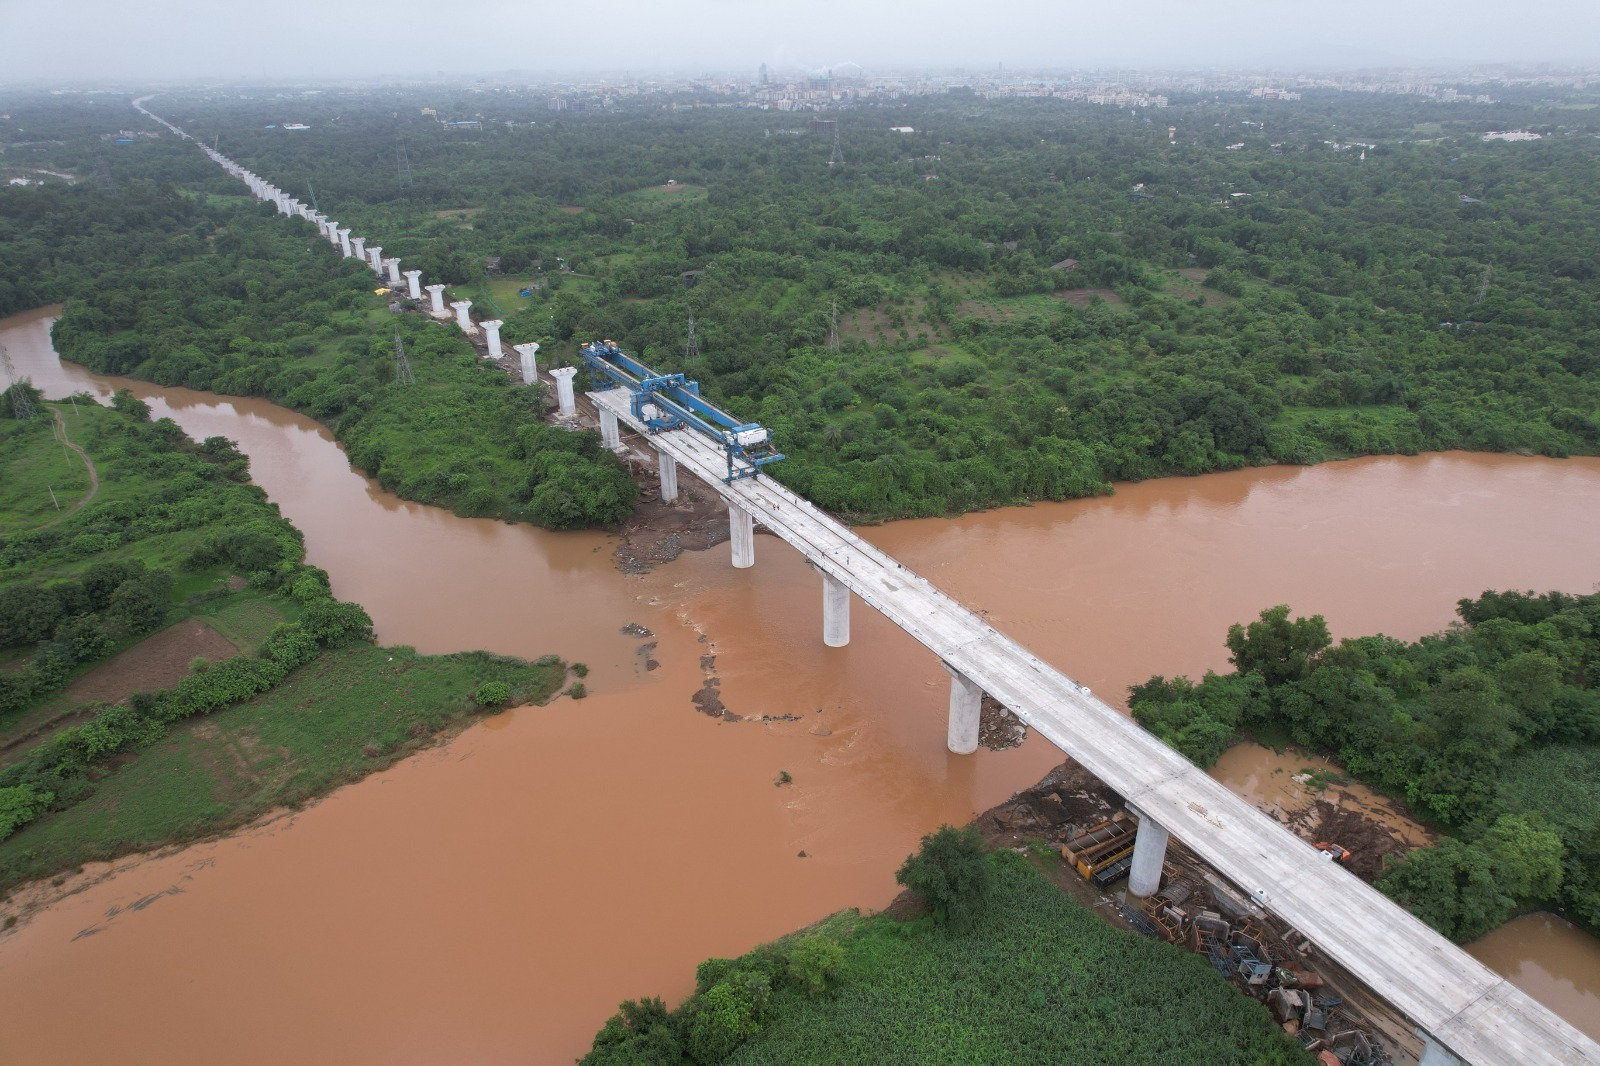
(1334, 851)
(671, 401)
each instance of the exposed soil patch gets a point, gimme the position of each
(1368, 841)
(159, 661)
(998, 728)
(659, 532)
(1084, 297)
(571, 209)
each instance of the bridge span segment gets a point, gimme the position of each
(1467, 1011)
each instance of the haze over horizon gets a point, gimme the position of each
(174, 40)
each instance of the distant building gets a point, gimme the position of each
(1065, 266)
(1512, 135)
(901, 129)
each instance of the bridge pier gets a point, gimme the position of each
(436, 294)
(610, 430)
(1149, 852)
(463, 320)
(393, 267)
(491, 330)
(835, 612)
(413, 283)
(966, 708)
(669, 477)
(530, 366)
(563, 376)
(344, 242)
(375, 259)
(359, 248)
(742, 527)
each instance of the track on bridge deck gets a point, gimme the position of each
(1477, 1014)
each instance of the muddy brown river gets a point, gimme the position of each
(491, 899)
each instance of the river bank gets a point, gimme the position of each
(522, 928)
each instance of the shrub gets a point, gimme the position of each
(814, 963)
(20, 805)
(950, 875)
(581, 669)
(492, 694)
(577, 691)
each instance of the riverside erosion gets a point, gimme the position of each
(493, 898)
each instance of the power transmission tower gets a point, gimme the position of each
(838, 153)
(21, 398)
(833, 328)
(402, 366)
(691, 350)
(403, 165)
(102, 173)
(1483, 286)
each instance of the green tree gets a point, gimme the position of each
(1525, 854)
(1451, 886)
(950, 874)
(1277, 648)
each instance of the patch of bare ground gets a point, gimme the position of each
(159, 661)
(1084, 297)
(571, 209)
(658, 532)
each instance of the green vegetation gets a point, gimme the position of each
(1035, 977)
(171, 523)
(1491, 727)
(347, 713)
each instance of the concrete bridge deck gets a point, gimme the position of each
(1467, 1008)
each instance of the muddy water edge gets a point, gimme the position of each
(493, 898)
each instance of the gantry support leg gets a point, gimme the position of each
(742, 527)
(1149, 852)
(966, 706)
(669, 477)
(835, 612)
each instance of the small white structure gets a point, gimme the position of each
(344, 242)
(530, 365)
(461, 307)
(437, 294)
(375, 259)
(393, 267)
(360, 246)
(564, 397)
(413, 283)
(491, 332)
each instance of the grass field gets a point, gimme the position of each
(33, 463)
(344, 715)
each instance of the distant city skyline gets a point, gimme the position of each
(85, 41)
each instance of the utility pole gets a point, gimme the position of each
(402, 366)
(691, 350)
(837, 159)
(403, 164)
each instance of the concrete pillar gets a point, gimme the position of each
(563, 376)
(530, 364)
(610, 430)
(835, 612)
(437, 293)
(414, 284)
(392, 267)
(669, 477)
(360, 246)
(742, 525)
(1149, 851)
(344, 242)
(491, 330)
(375, 259)
(461, 307)
(966, 706)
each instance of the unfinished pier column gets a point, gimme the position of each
(461, 307)
(491, 331)
(344, 242)
(966, 707)
(359, 246)
(530, 364)
(669, 476)
(835, 612)
(610, 430)
(392, 266)
(563, 376)
(375, 259)
(414, 284)
(742, 527)
(1149, 851)
(436, 294)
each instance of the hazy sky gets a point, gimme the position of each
(92, 40)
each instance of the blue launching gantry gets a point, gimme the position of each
(671, 401)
